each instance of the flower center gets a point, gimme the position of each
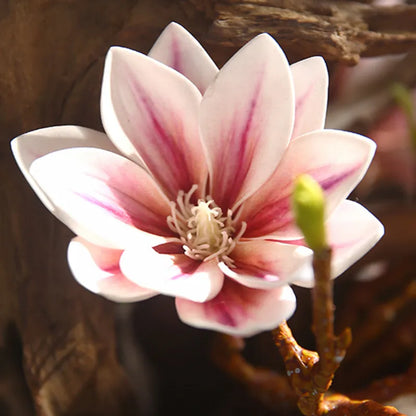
(204, 230)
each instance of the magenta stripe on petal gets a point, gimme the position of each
(122, 206)
(154, 109)
(336, 159)
(170, 154)
(239, 310)
(230, 307)
(327, 183)
(300, 109)
(277, 214)
(90, 186)
(176, 56)
(310, 78)
(186, 267)
(246, 120)
(178, 49)
(112, 269)
(269, 217)
(261, 264)
(242, 143)
(255, 271)
(123, 196)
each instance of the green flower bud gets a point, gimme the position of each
(309, 208)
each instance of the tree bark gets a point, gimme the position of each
(340, 31)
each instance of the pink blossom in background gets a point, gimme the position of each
(188, 192)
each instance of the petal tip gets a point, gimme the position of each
(266, 41)
(175, 27)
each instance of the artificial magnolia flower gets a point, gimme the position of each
(189, 192)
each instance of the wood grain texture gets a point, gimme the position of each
(339, 31)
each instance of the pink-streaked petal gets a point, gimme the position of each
(150, 111)
(97, 269)
(352, 232)
(102, 196)
(310, 79)
(172, 274)
(239, 310)
(246, 120)
(336, 159)
(264, 264)
(30, 146)
(178, 49)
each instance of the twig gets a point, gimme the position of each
(388, 388)
(339, 405)
(269, 387)
(331, 349)
(311, 373)
(298, 361)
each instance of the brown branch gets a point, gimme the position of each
(381, 314)
(339, 405)
(298, 361)
(388, 388)
(311, 373)
(339, 31)
(311, 379)
(267, 386)
(380, 319)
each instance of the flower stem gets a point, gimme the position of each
(330, 348)
(311, 373)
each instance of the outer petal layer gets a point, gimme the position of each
(97, 269)
(30, 146)
(103, 197)
(177, 48)
(352, 231)
(310, 79)
(336, 159)
(264, 264)
(173, 274)
(246, 120)
(150, 112)
(239, 310)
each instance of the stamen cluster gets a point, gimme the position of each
(204, 230)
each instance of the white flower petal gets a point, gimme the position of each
(30, 146)
(246, 120)
(336, 159)
(178, 49)
(173, 274)
(97, 269)
(310, 79)
(262, 264)
(102, 196)
(239, 310)
(150, 112)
